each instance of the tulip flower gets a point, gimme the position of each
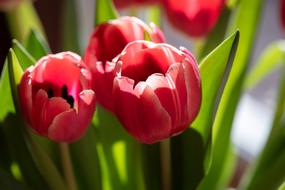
(126, 3)
(106, 42)
(282, 11)
(56, 97)
(157, 90)
(194, 17)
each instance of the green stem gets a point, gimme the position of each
(67, 166)
(165, 164)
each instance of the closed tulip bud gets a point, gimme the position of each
(157, 90)
(126, 3)
(106, 42)
(196, 18)
(56, 97)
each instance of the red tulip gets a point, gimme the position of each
(106, 42)
(282, 2)
(157, 91)
(195, 17)
(126, 3)
(55, 97)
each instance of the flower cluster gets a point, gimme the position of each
(153, 88)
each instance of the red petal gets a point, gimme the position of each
(65, 127)
(186, 78)
(60, 69)
(39, 103)
(103, 84)
(143, 116)
(125, 105)
(166, 94)
(154, 121)
(69, 126)
(25, 89)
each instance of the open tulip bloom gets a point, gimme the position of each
(56, 97)
(157, 90)
(106, 42)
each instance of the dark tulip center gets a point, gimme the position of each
(64, 95)
(68, 98)
(50, 93)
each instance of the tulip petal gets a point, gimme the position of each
(154, 121)
(125, 104)
(86, 108)
(187, 83)
(65, 127)
(39, 102)
(103, 83)
(26, 95)
(140, 111)
(166, 94)
(69, 126)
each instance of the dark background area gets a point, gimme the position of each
(49, 13)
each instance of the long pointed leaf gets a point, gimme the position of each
(6, 103)
(36, 45)
(214, 69)
(24, 57)
(105, 11)
(15, 74)
(249, 11)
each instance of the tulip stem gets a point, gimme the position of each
(165, 157)
(67, 166)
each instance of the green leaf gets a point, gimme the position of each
(86, 162)
(187, 155)
(45, 165)
(282, 186)
(15, 75)
(218, 63)
(105, 11)
(5, 158)
(13, 130)
(24, 57)
(220, 142)
(22, 19)
(7, 182)
(151, 160)
(266, 172)
(6, 102)
(119, 154)
(36, 45)
(272, 58)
